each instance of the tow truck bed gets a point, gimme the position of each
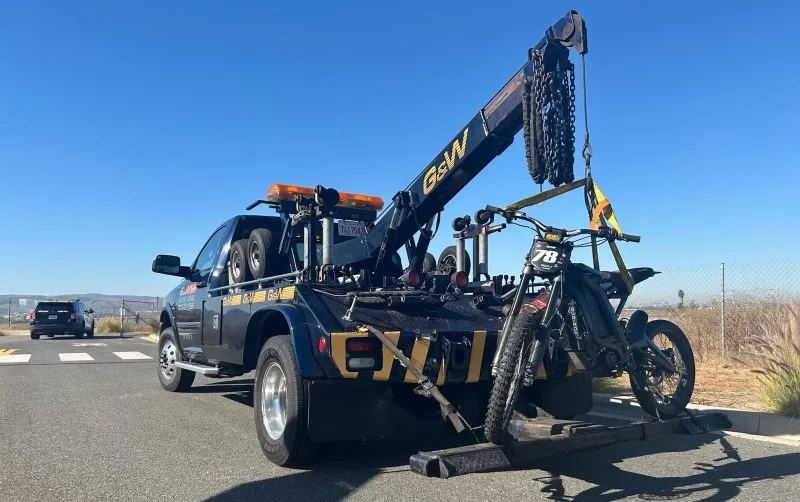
(532, 439)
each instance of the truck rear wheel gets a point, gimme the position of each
(428, 264)
(238, 270)
(261, 253)
(280, 403)
(447, 261)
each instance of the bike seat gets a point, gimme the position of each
(638, 275)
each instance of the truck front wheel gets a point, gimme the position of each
(280, 403)
(171, 377)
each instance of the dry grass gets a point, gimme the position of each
(717, 383)
(743, 319)
(726, 384)
(761, 370)
(112, 325)
(614, 386)
(774, 353)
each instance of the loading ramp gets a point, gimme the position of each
(538, 438)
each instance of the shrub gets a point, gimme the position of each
(111, 325)
(775, 351)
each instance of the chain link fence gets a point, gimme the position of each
(720, 306)
(132, 316)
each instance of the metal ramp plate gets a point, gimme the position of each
(531, 439)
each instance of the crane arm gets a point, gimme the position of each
(488, 134)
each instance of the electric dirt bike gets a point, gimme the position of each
(571, 323)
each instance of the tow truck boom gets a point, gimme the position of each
(488, 134)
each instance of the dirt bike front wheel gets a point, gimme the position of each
(654, 387)
(506, 387)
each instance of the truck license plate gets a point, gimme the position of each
(351, 228)
(52, 317)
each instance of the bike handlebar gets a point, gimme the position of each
(608, 233)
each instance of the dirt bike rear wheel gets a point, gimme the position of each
(670, 403)
(508, 379)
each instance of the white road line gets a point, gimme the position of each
(15, 358)
(75, 356)
(131, 355)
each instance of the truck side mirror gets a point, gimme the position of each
(170, 265)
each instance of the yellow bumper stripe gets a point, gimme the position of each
(418, 357)
(476, 357)
(388, 358)
(440, 377)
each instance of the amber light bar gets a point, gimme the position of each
(280, 193)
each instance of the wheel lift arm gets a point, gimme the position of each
(488, 134)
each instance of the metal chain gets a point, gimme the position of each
(569, 175)
(540, 141)
(551, 129)
(550, 119)
(556, 111)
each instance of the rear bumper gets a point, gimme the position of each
(444, 357)
(55, 329)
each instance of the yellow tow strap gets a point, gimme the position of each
(549, 194)
(604, 209)
(602, 215)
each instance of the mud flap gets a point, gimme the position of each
(426, 387)
(562, 397)
(349, 410)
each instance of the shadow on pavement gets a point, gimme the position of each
(71, 338)
(343, 468)
(720, 480)
(320, 486)
(717, 481)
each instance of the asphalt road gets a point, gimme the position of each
(101, 428)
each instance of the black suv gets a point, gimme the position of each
(62, 317)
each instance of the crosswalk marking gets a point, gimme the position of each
(15, 358)
(131, 355)
(9, 356)
(74, 356)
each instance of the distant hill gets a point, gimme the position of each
(103, 305)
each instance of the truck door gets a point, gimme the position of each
(193, 296)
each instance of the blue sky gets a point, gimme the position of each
(133, 128)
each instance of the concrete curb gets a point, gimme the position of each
(745, 421)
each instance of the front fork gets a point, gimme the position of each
(537, 354)
(516, 305)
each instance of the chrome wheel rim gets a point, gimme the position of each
(255, 256)
(236, 265)
(273, 401)
(167, 359)
(448, 264)
(665, 386)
